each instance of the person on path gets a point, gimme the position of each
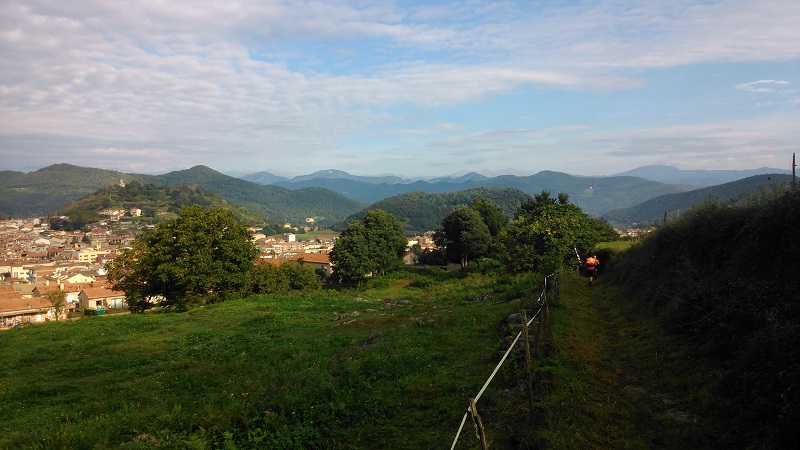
(591, 268)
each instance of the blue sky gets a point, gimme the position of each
(408, 88)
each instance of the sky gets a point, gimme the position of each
(411, 88)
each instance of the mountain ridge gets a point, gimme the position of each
(327, 200)
(653, 210)
(46, 190)
(696, 178)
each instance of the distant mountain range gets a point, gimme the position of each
(595, 195)
(44, 191)
(331, 196)
(696, 178)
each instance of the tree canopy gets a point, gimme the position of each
(201, 256)
(464, 234)
(547, 231)
(491, 213)
(366, 246)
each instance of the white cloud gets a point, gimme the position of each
(157, 85)
(763, 86)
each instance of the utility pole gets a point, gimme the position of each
(794, 172)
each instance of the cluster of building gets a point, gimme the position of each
(35, 260)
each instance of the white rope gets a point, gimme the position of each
(502, 360)
(459, 429)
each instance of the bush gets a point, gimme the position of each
(724, 278)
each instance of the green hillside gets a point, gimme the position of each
(594, 195)
(689, 339)
(45, 190)
(652, 211)
(324, 206)
(158, 202)
(420, 212)
(334, 369)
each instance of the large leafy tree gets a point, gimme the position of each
(366, 246)
(386, 237)
(351, 254)
(546, 231)
(201, 256)
(491, 214)
(464, 235)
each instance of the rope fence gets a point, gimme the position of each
(472, 409)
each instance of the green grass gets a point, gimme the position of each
(614, 246)
(391, 366)
(325, 234)
(615, 379)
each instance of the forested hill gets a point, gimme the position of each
(157, 201)
(324, 206)
(419, 211)
(44, 191)
(652, 211)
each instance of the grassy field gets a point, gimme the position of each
(390, 366)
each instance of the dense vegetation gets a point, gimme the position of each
(724, 278)
(368, 246)
(420, 212)
(546, 232)
(202, 256)
(464, 235)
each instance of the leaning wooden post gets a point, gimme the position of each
(544, 300)
(540, 319)
(473, 409)
(528, 365)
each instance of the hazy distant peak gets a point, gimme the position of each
(329, 174)
(264, 178)
(333, 174)
(695, 178)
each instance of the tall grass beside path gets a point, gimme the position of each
(614, 378)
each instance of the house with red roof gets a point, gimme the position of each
(101, 297)
(17, 310)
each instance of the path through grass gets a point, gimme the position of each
(614, 379)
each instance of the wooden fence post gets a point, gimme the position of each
(473, 409)
(539, 321)
(528, 366)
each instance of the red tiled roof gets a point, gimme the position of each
(100, 292)
(11, 304)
